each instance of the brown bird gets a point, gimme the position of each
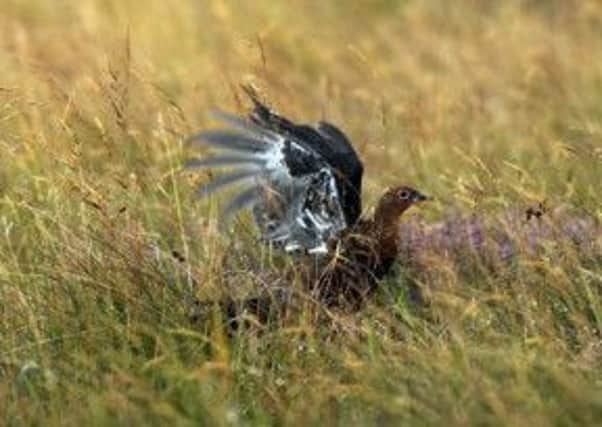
(365, 252)
(303, 184)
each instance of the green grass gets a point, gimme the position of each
(487, 106)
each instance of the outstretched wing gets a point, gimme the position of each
(297, 194)
(331, 144)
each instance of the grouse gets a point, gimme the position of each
(303, 185)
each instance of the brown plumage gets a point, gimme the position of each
(303, 184)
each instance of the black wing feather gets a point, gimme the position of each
(330, 143)
(303, 182)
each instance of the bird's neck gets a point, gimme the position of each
(386, 228)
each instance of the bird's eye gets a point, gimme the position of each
(404, 194)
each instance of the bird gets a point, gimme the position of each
(303, 185)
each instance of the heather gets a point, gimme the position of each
(493, 313)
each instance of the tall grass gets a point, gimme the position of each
(489, 106)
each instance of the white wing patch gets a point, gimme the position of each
(311, 218)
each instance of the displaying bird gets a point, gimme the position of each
(303, 185)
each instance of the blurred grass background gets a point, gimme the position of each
(486, 105)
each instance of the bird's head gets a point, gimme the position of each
(396, 200)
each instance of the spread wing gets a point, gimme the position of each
(302, 183)
(330, 144)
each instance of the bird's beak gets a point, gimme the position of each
(419, 197)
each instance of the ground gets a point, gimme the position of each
(487, 106)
